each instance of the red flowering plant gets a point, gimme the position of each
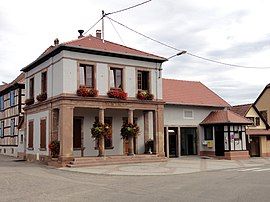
(117, 93)
(54, 147)
(29, 101)
(87, 92)
(145, 95)
(42, 96)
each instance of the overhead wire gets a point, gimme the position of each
(188, 53)
(117, 32)
(128, 8)
(93, 25)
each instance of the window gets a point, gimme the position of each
(188, 114)
(12, 126)
(87, 75)
(116, 78)
(143, 80)
(252, 119)
(2, 125)
(264, 115)
(44, 82)
(2, 103)
(12, 98)
(42, 130)
(208, 133)
(31, 88)
(268, 138)
(257, 121)
(30, 134)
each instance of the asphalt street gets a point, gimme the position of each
(23, 181)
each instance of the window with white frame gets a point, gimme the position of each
(116, 78)
(87, 75)
(188, 114)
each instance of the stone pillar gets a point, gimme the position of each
(159, 131)
(66, 132)
(167, 142)
(130, 138)
(101, 141)
(179, 141)
(146, 126)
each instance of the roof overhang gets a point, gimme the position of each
(90, 51)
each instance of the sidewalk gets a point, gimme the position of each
(172, 166)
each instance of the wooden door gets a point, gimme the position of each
(77, 133)
(255, 147)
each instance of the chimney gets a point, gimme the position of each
(98, 33)
(56, 42)
(81, 31)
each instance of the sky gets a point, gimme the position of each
(229, 31)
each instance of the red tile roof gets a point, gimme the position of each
(241, 109)
(257, 132)
(91, 42)
(19, 80)
(190, 93)
(225, 117)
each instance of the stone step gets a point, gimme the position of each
(118, 162)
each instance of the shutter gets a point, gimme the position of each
(30, 134)
(43, 133)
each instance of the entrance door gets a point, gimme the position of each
(188, 141)
(219, 140)
(77, 133)
(172, 142)
(255, 147)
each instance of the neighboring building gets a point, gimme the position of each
(55, 111)
(263, 103)
(11, 116)
(197, 122)
(258, 134)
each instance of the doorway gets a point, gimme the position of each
(254, 145)
(188, 141)
(219, 141)
(172, 142)
(77, 132)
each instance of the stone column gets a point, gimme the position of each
(66, 132)
(101, 141)
(167, 142)
(179, 141)
(130, 138)
(159, 131)
(146, 126)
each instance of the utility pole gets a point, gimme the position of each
(102, 32)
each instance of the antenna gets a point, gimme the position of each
(102, 32)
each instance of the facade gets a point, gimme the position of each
(55, 111)
(189, 125)
(258, 134)
(11, 117)
(262, 103)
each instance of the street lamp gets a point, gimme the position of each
(177, 54)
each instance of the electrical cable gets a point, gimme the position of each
(117, 32)
(127, 8)
(188, 53)
(93, 25)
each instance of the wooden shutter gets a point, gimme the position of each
(43, 133)
(30, 134)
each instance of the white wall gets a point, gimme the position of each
(36, 140)
(102, 76)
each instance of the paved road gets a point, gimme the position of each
(21, 181)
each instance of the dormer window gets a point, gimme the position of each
(87, 75)
(143, 80)
(116, 78)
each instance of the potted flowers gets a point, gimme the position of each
(87, 92)
(42, 96)
(145, 95)
(99, 132)
(117, 93)
(54, 147)
(129, 130)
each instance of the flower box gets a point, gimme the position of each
(87, 92)
(144, 95)
(117, 93)
(29, 101)
(42, 96)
